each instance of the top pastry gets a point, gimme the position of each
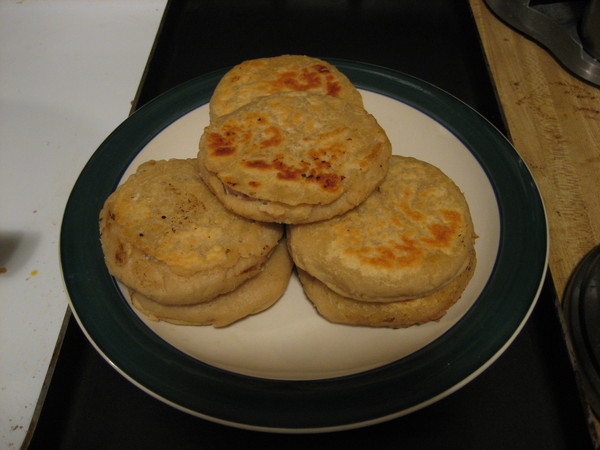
(266, 76)
(294, 157)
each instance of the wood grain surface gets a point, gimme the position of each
(553, 120)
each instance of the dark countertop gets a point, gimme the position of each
(526, 399)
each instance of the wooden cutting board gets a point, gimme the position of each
(553, 120)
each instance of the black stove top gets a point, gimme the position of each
(526, 399)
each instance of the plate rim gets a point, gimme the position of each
(299, 406)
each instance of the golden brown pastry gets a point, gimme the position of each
(265, 76)
(166, 236)
(399, 314)
(251, 297)
(411, 237)
(294, 157)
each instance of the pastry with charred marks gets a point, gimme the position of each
(294, 157)
(265, 76)
(407, 240)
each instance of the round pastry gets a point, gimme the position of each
(412, 236)
(165, 235)
(400, 314)
(294, 157)
(265, 76)
(253, 296)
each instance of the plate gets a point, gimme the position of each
(287, 369)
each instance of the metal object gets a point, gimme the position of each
(581, 306)
(590, 29)
(569, 30)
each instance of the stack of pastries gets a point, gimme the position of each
(291, 170)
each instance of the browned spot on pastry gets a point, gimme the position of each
(394, 254)
(442, 233)
(221, 144)
(328, 181)
(297, 81)
(273, 140)
(121, 254)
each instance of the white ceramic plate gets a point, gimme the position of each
(288, 369)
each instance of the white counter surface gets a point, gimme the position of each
(69, 71)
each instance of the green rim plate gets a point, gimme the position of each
(382, 393)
